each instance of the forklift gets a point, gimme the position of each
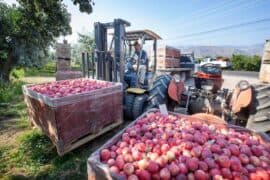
(115, 63)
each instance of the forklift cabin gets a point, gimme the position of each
(114, 63)
(130, 73)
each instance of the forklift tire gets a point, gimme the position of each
(259, 113)
(139, 105)
(129, 101)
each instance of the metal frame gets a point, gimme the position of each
(112, 69)
(106, 67)
(145, 35)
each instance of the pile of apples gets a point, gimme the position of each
(69, 87)
(170, 147)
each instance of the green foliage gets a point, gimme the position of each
(246, 63)
(38, 157)
(27, 30)
(24, 41)
(46, 70)
(85, 44)
(17, 73)
(35, 149)
(10, 91)
(85, 5)
(86, 41)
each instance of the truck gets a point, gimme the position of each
(224, 63)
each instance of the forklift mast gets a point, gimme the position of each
(108, 68)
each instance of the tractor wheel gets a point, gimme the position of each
(129, 101)
(259, 114)
(163, 78)
(159, 92)
(139, 105)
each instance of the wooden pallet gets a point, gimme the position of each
(69, 147)
(64, 148)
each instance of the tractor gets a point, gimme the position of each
(246, 105)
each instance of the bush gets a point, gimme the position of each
(17, 73)
(46, 70)
(10, 91)
(246, 63)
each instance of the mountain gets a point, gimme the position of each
(227, 51)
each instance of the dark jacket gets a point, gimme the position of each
(142, 57)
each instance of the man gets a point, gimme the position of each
(141, 57)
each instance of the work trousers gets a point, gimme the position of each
(141, 73)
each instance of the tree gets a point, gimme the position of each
(85, 5)
(86, 41)
(85, 44)
(27, 30)
(246, 63)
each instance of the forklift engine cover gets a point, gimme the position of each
(241, 97)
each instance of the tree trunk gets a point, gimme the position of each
(7, 67)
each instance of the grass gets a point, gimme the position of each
(48, 70)
(26, 153)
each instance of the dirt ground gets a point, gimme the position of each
(38, 79)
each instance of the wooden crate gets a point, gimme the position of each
(63, 75)
(63, 51)
(74, 120)
(97, 170)
(264, 75)
(168, 62)
(63, 65)
(168, 51)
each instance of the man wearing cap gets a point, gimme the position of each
(141, 57)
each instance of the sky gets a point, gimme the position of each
(179, 22)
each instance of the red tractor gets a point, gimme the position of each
(246, 105)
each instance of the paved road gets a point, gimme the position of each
(241, 73)
(231, 78)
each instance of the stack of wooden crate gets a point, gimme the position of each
(63, 63)
(168, 57)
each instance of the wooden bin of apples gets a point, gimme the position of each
(73, 112)
(180, 147)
